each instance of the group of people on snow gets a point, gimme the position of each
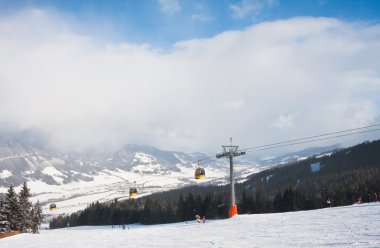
(198, 218)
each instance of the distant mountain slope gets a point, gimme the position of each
(337, 171)
(20, 162)
(344, 167)
(73, 180)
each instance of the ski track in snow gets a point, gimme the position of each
(17, 156)
(350, 226)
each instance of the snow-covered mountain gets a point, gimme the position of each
(298, 155)
(73, 180)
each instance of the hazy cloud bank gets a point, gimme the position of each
(270, 82)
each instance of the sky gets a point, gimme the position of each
(188, 75)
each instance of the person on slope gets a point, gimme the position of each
(198, 218)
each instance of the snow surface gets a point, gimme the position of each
(53, 172)
(5, 174)
(324, 155)
(350, 226)
(16, 156)
(302, 158)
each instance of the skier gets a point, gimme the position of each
(198, 218)
(328, 203)
(204, 219)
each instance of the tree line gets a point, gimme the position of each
(146, 211)
(17, 213)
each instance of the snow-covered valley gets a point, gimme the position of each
(73, 181)
(108, 185)
(349, 226)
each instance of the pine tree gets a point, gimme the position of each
(261, 201)
(147, 213)
(36, 217)
(190, 210)
(4, 223)
(289, 199)
(12, 209)
(277, 202)
(25, 208)
(246, 203)
(180, 216)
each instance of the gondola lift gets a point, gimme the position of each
(53, 207)
(133, 191)
(200, 173)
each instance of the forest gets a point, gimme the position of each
(347, 176)
(17, 213)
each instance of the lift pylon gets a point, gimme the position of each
(231, 152)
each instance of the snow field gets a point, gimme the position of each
(350, 226)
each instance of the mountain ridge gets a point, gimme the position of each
(75, 179)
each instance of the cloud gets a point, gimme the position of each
(247, 8)
(283, 121)
(232, 105)
(200, 18)
(82, 92)
(169, 6)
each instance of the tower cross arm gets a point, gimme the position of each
(222, 155)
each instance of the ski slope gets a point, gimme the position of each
(350, 226)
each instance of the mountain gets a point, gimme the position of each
(340, 176)
(73, 180)
(293, 156)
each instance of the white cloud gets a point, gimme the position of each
(200, 18)
(247, 8)
(232, 105)
(169, 6)
(283, 121)
(84, 92)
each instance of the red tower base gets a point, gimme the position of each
(233, 211)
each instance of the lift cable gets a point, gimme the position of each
(315, 136)
(320, 137)
(308, 141)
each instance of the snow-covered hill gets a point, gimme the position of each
(350, 226)
(74, 180)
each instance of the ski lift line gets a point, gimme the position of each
(290, 142)
(311, 137)
(314, 140)
(202, 161)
